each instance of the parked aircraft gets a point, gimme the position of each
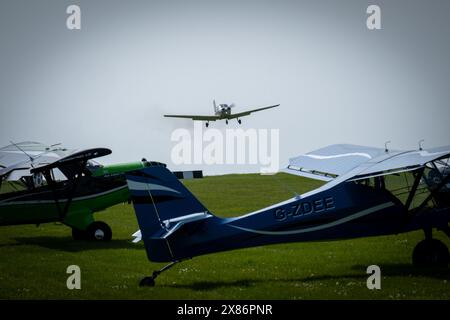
(40, 183)
(370, 192)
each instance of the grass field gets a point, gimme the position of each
(33, 260)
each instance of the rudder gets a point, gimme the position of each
(159, 197)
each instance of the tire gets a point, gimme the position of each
(430, 253)
(99, 231)
(78, 234)
(147, 282)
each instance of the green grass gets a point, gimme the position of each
(33, 260)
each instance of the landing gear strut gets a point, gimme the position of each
(430, 252)
(150, 281)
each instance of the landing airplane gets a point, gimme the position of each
(221, 112)
(369, 192)
(40, 183)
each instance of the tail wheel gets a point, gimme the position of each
(99, 231)
(147, 282)
(430, 252)
(78, 234)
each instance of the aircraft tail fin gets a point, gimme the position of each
(161, 201)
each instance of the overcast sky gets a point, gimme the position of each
(109, 83)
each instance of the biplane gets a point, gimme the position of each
(221, 112)
(369, 192)
(40, 184)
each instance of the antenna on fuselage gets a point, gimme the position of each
(385, 146)
(420, 144)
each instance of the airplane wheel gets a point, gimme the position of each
(99, 231)
(207, 124)
(239, 121)
(147, 282)
(430, 253)
(78, 234)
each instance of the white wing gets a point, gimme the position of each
(16, 160)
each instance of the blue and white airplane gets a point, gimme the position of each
(370, 192)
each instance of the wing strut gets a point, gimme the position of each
(416, 183)
(62, 212)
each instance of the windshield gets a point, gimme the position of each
(93, 165)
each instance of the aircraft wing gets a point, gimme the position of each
(16, 160)
(30, 147)
(24, 152)
(332, 161)
(193, 117)
(246, 113)
(360, 162)
(401, 162)
(22, 168)
(73, 163)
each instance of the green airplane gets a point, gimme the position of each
(51, 184)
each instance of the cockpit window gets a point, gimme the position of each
(93, 165)
(57, 175)
(437, 171)
(401, 185)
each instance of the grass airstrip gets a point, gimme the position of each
(33, 260)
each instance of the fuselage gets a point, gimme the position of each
(337, 210)
(224, 111)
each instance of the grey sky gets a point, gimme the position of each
(109, 83)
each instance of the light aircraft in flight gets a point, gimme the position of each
(369, 192)
(221, 112)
